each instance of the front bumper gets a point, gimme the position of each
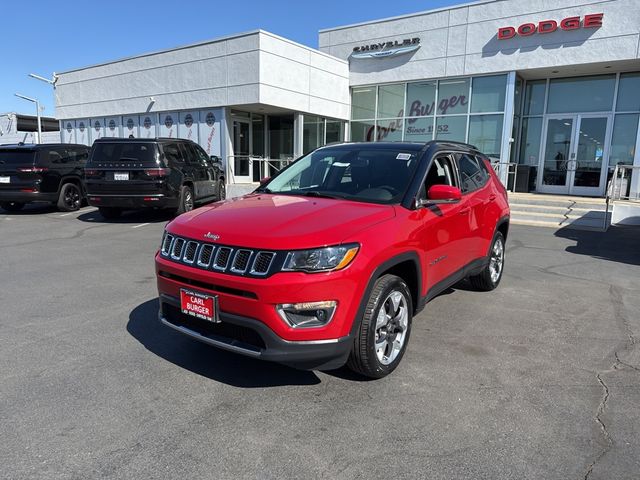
(252, 338)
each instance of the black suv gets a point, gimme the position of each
(167, 173)
(48, 172)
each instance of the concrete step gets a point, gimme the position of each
(589, 222)
(550, 209)
(557, 201)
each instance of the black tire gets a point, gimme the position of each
(364, 357)
(12, 206)
(491, 275)
(70, 198)
(109, 213)
(222, 190)
(187, 201)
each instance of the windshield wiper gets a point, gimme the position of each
(315, 193)
(263, 190)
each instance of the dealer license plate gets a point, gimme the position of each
(198, 305)
(5, 179)
(121, 176)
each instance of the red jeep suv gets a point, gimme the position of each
(328, 261)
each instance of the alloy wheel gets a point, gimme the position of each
(391, 327)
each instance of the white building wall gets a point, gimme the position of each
(462, 40)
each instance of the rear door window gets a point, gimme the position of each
(472, 175)
(172, 153)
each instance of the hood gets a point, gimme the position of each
(280, 222)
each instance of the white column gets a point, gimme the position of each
(635, 176)
(298, 128)
(507, 127)
(226, 148)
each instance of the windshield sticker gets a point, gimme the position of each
(403, 156)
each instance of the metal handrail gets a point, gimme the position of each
(620, 186)
(264, 164)
(512, 167)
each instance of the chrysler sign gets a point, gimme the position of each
(547, 26)
(386, 49)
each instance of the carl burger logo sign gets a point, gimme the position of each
(593, 20)
(386, 49)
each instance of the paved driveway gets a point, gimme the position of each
(539, 379)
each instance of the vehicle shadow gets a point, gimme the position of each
(208, 361)
(133, 216)
(618, 244)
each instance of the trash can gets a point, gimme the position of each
(523, 179)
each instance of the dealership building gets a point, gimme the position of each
(552, 86)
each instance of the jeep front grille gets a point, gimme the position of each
(220, 258)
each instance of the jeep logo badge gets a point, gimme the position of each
(211, 236)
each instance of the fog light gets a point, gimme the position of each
(307, 314)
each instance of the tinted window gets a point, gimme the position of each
(172, 153)
(472, 174)
(17, 157)
(124, 152)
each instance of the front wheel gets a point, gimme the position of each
(186, 200)
(70, 198)
(384, 330)
(491, 275)
(12, 206)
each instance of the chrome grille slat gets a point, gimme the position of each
(262, 263)
(176, 249)
(166, 244)
(222, 258)
(206, 253)
(190, 252)
(241, 261)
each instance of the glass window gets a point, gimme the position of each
(472, 175)
(581, 94)
(312, 133)
(421, 99)
(363, 103)
(453, 96)
(334, 132)
(629, 92)
(418, 129)
(485, 132)
(389, 130)
(623, 140)
(487, 93)
(534, 97)
(451, 128)
(362, 131)
(530, 141)
(390, 101)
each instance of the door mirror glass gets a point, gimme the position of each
(444, 193)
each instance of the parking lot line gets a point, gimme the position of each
(141, 225)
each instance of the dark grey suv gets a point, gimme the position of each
(168, 173)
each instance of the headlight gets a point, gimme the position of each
(320, 259)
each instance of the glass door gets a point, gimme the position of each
(575, 154)
(242, 168)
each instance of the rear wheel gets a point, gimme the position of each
(384, 330)
(70, 197)
(186, 200)
(490, 277)
(109, 213)
(12, 206)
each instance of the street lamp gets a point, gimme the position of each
(37, 113)
(54, 78)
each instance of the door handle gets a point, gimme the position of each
(492, 197)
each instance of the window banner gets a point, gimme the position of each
(148, 124)
(82, 131)
(69, 131)
(210, 131)
(97, 129)
(168, 125)
(130, 127)
(188, 127)
(112, 125)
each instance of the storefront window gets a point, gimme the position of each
(421, 99)
(334, 132)
(418, 129)
(581, 94)
(362, 131)
(534, 97)
(623, 141)
(629, 93)
(389, 130)
(530, 143)
(453, 96)
(452, 128)
(363, 103)
(312, 133)
(485, 132)
(487, 94)
(390, 101)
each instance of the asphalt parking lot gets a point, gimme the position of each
(538, 379)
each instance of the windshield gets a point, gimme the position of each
(17, 157)
(363, 173)
(119, 152)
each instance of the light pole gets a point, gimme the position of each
(37, 113)
(54, 78)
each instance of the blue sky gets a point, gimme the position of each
(44, 36)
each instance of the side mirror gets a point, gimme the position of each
(439, 194)
(264, 180)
